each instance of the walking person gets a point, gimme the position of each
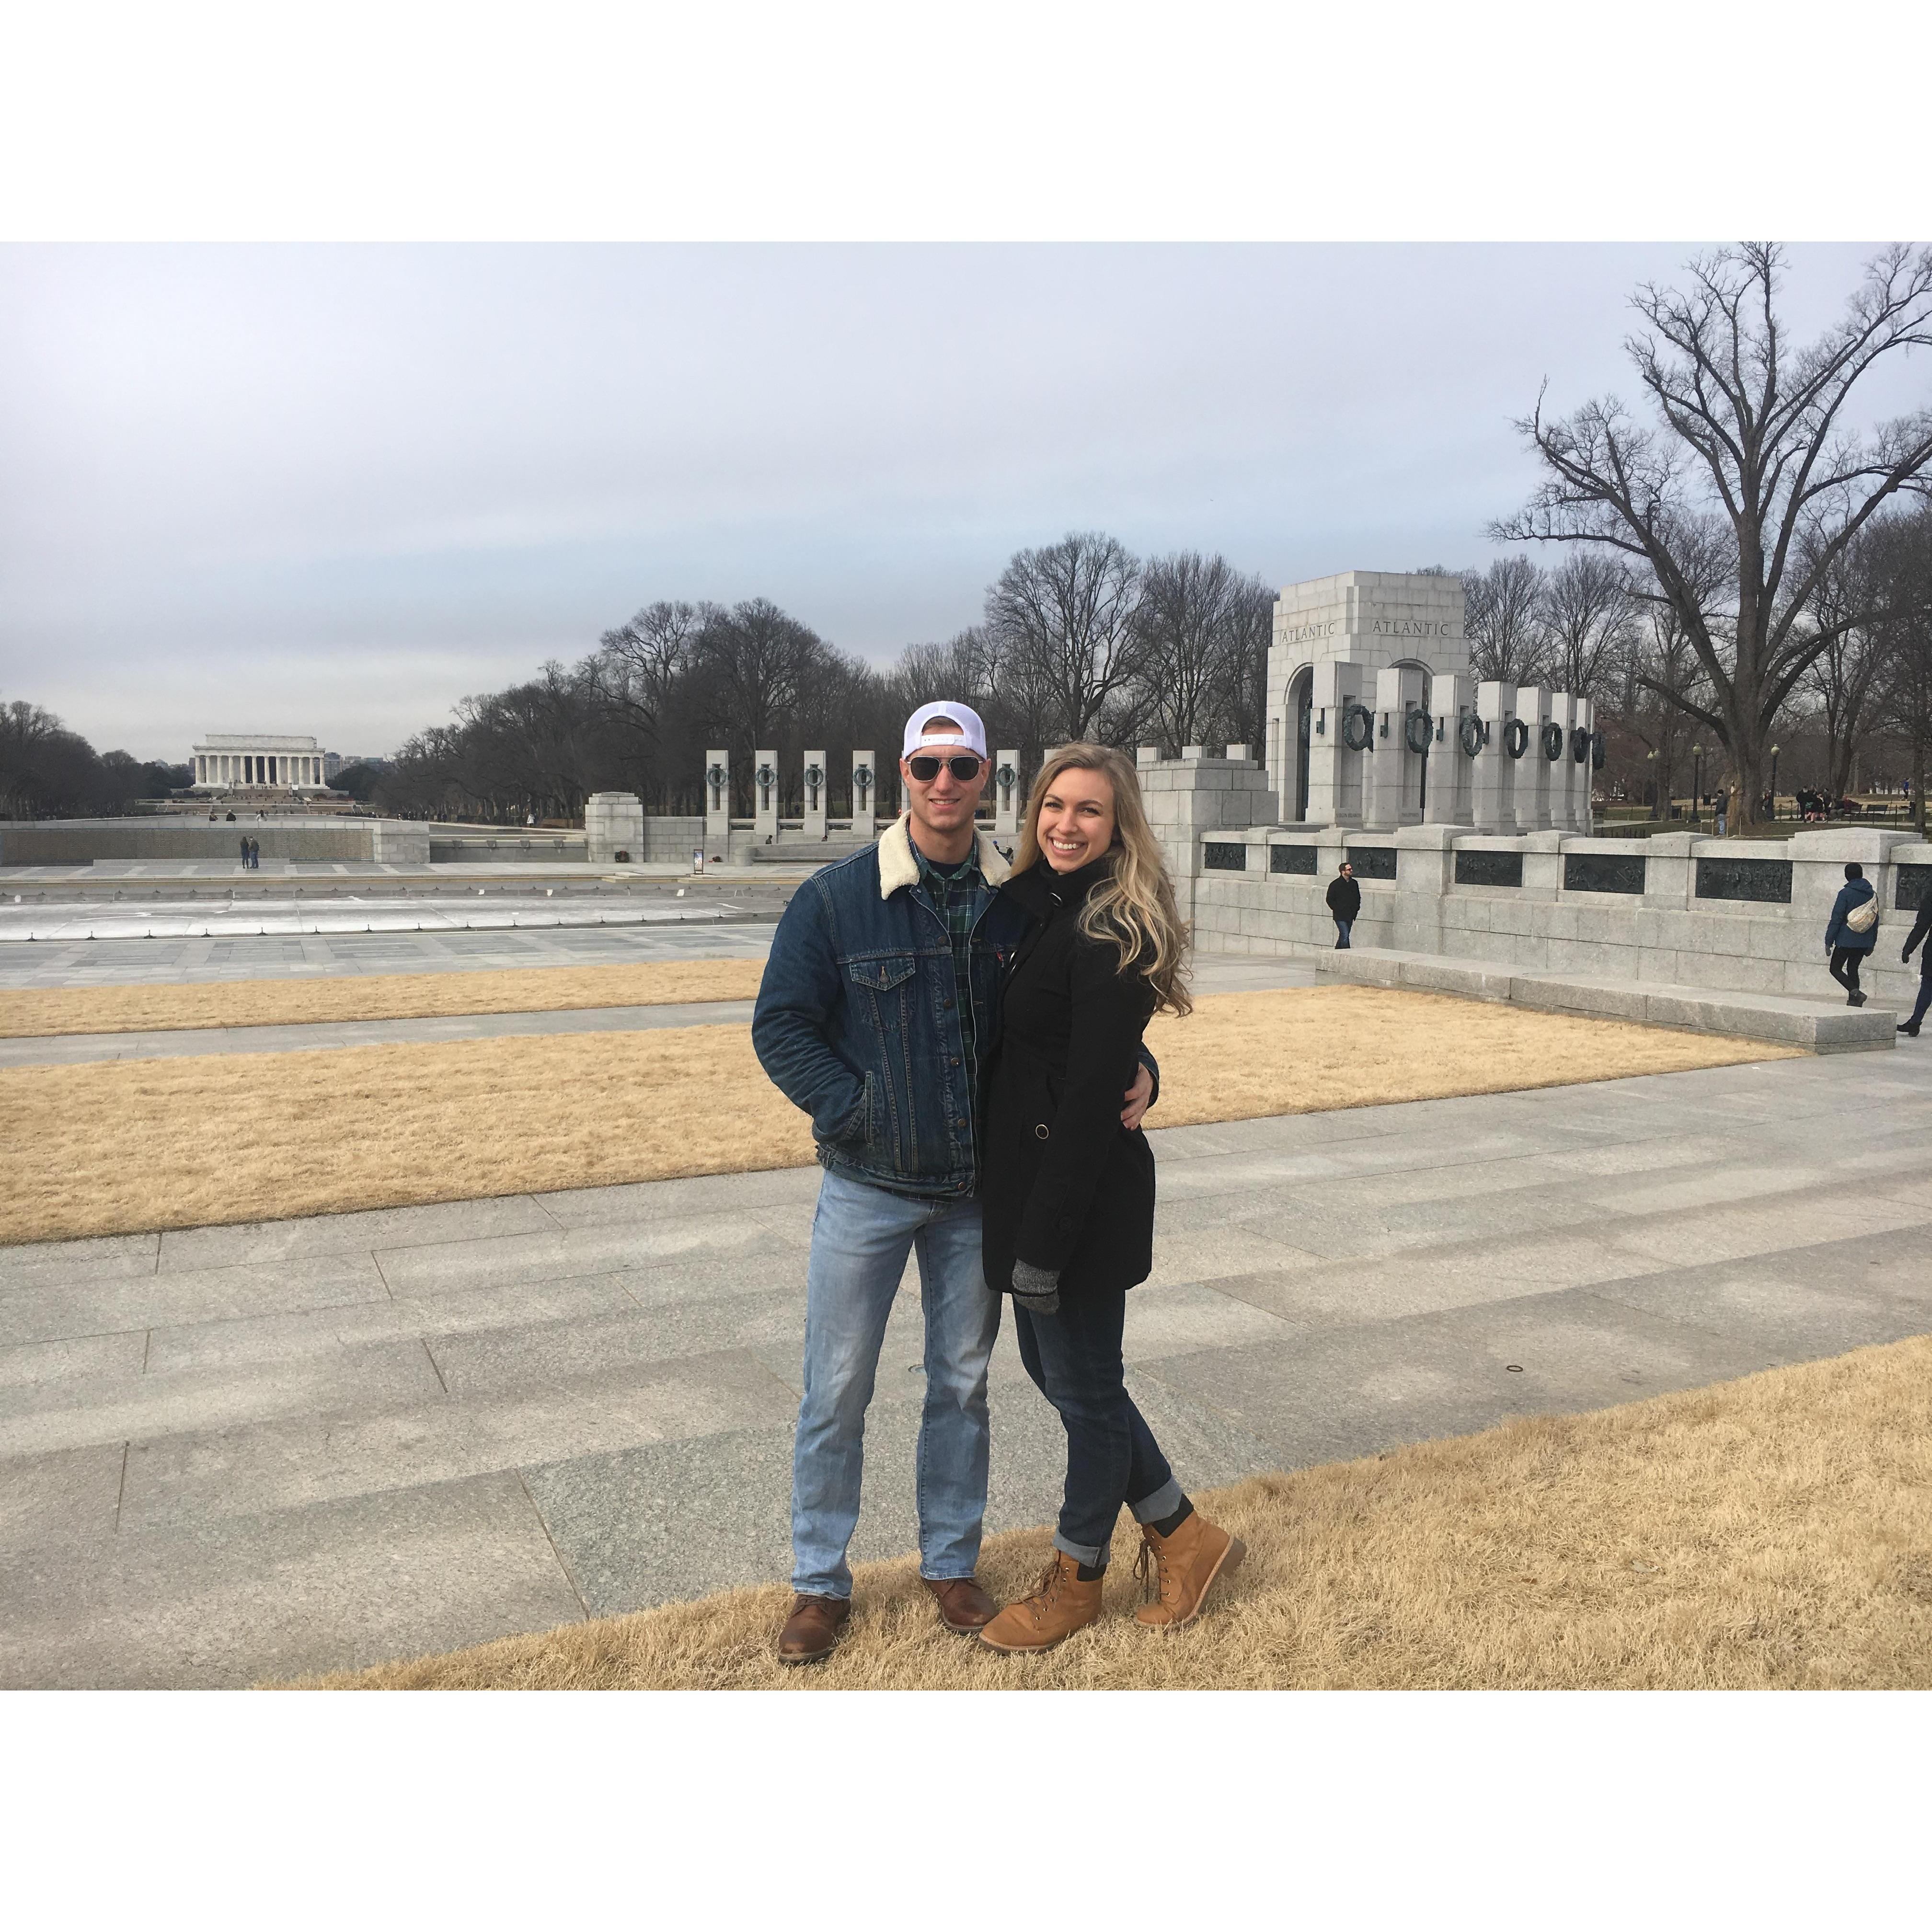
(1853, 931)
(879, 1001)
(1921, 936)
(1345, 904)
(1068, 1194)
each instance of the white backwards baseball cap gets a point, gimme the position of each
(971, 733)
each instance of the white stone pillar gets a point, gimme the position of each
(1335, 773)
(717, 795)
(1586, 776)
(1562, 789)
(815, 786)
(1395, 784)
(765, 796)
(864, 793)
(1009, 797)
(1532, 776)
(1451, 768)
(1492, 795)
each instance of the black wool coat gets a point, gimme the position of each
(1064, 1185)
(1345, 898)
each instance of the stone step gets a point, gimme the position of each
(1819, 1026)
(793, 850)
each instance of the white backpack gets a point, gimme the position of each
(1863, 915)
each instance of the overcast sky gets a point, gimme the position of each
(333, 489)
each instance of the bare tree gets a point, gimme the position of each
(1902, 562)
(1588, 614)
(1063, 619)
(1251, 624)
(1503, 621)
(1660, 686)
(1190, 645)
(638, 667)
(1845, 676)
(1752, 438)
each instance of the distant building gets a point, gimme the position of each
(226, 761)
(333, 762)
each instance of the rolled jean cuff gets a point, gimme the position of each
(1162, 1504)
(1091, 1554)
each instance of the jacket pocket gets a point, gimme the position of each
(882, 975)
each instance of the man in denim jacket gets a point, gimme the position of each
(879, 1005)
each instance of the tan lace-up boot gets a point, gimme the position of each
(1061, 1605)
(1184, 1565)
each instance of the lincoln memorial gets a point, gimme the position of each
(226, 760)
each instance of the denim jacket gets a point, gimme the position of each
(856, 1021)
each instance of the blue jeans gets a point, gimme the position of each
(1342, 927)
(861, 1236)
(1074, 1358)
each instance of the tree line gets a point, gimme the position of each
(1079, 638)
(1742, 573)
(48, 772)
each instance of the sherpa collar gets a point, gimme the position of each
(898, 865)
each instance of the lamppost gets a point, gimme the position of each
(1697, 786)
(1660, 806)
(1774, 782)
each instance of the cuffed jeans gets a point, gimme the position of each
(1074, 1358)
(861, 1236)
(1342, 927)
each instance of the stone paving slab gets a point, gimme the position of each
(237, 1452)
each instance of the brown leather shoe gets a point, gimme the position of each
(1061, 1605)
(1185, 1565)
(963, 1606)
(810, 1634)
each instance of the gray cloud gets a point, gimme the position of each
(332, 489)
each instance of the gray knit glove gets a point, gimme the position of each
(1035, 1289)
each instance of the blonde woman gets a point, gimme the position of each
(1067, 1192)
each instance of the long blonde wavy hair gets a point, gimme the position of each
(1134, 905)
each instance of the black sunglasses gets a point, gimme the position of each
(965, 769)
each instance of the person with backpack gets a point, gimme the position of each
(1853, 931)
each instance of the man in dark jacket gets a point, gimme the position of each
(1345, 904)
(878, 1005)
(1921, 936)
(1852, 932)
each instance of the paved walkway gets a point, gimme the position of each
(1218, 975)
(236, 1453)
(203, 962)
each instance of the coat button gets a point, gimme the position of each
(960, 1125)
(1040, 1132)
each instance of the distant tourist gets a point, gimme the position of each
(1921, 936)
(878, 1005)
(1069, 1194)
(1345, 904)
(244, 852)
(1853, 931)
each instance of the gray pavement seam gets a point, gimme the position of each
(581, 1605)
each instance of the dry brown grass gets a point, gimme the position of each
(1766, 1534)
(39, 1014)
(126, 1146)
